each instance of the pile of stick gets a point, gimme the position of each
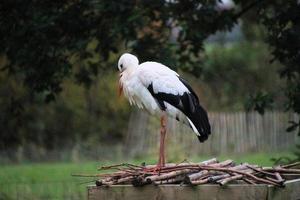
(209, 171)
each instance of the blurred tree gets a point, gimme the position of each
(230, 76)
(43, 40)
(40, 38)
(282, 21)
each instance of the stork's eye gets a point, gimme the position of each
(121, 66)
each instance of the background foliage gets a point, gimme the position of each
(67, 51)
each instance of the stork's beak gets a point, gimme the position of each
(120, 87)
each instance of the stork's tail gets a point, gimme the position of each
(199, 123)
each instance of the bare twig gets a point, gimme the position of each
(177, 179)
(279, 178)
(247, 180)
(222, 164)
(199, 182)
(218, 177)
(291, 165)
(246, 174)
(228, 179)
(168, 175)
(260, 170)
(197, 175)
(209, 171)
(277, 169)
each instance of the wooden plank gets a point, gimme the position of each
(291, 191)
(177, 192)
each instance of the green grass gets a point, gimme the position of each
(54, 180)
(44, 181)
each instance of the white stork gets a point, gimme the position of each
(160, 90)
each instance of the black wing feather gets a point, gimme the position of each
(188, 103)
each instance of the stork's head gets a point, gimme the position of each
(127, 61)
(126, 64)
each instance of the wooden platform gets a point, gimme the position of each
(291, 191)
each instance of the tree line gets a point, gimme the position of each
(49, 48)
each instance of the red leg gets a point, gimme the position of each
(163, 130)
(161, 158)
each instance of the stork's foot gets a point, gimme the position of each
(155, 170)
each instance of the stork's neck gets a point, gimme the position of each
(130, 70)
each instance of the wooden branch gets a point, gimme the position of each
(226, 180)
(218, 177)
(199, 182)
(290, 176)
(177, 179)
(209, 171)
(107, 183)
(277, 169)
(197, 175)
(291, 165)
(279, 178)
(209, 162)
(239, 167)
(243, 173)
(166, 165)
(185, 164)
(273, 180)
(247, 180)
(222, 164)
(110, 166)
(168, 175)
(260, 170)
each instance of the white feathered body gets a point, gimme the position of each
(158, 89)
(136, 81)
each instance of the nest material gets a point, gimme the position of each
(210, 171)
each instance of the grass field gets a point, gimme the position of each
(54, 180)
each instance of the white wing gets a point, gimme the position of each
(174, 95)
(162, 78)
(137, 93)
